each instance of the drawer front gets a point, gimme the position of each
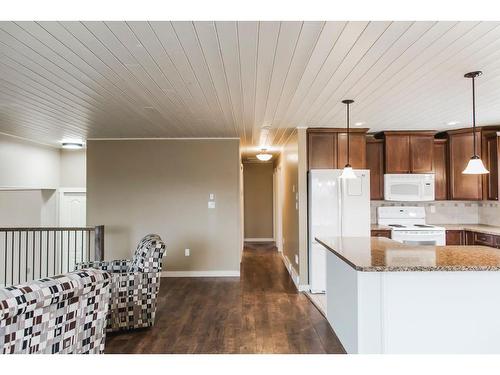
(381, 233)
(483, 239)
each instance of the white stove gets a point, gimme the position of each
(408, 226)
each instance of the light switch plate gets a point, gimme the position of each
(187, 252)
(211, 204)
(211, 196)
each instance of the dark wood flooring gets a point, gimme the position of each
(260, 313)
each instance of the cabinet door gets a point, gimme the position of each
(322, 150)
(469, 238)
(375, 163)
(441, 188)
(454, 237)
(357, 154)
(397, 153)
(491, 147)
(381, 233)
(462, 186)
(421, 153)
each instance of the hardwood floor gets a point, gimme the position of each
(261, 313)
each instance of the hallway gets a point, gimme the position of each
(261, 313)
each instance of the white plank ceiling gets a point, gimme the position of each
(229, 79)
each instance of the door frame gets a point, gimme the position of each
(61, 192)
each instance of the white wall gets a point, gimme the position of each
(30, 173)
(28, 165)
(73, 169)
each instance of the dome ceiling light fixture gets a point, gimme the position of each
(475, 165)
(264, 155)
(347, 172)
(72, 144)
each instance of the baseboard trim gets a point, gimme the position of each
(200, 274)
(293, 274)
(259, 239)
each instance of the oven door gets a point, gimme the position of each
(420, 238)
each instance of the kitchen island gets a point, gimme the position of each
(387, 297)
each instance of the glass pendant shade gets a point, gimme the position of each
(475, 166)
(347, 173)
(264, 156)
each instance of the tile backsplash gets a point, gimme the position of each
(448, 212)
(489, 213)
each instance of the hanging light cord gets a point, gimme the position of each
(474, 114)
(348, 135)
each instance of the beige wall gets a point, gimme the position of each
(73, 169)
(258, 198)
(292, 165)
(135, 187)
(288, 163)
(302, 198)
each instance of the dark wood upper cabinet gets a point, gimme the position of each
(357, 154)
(375, 163)
(397, 153)
(491, 151)
(440, 169)
(327, 148)
(408, 151)
(322, 150)
(460, 150)
(421, 153)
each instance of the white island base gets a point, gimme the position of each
(413, 311)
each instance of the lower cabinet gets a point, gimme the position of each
(470, 238)
(381, 233)
(454, 237)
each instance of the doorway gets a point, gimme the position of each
(73, 207)
(73, 214)
(259, 208)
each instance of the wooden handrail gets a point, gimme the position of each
(24, 229)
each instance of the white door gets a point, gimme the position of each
(73, 209)
(73, 213)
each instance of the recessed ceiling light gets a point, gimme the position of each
(451, 123)
(72, 144)
(359, 123)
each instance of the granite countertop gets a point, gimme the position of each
(378, 254)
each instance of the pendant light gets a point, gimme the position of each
(347, 172)
(264, 155)
(475, 165)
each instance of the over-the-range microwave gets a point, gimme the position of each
(409, 187)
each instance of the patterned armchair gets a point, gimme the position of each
(135, 285)
(60, 314)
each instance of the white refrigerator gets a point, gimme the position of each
(337, 208)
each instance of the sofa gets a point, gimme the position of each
(135, 285)
(60, 314)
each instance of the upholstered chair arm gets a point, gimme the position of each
(20, 299)
(113, 266)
